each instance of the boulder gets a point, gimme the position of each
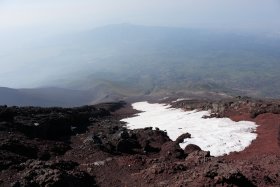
(191, 148)
(61, 173)
(226, 175)
(198, 157)
(172, 150)
(182, 137)
(279, 135)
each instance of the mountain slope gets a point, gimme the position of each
(119, 61)
(43, 97)
(156, 59)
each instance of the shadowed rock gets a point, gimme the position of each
(191, 148)
(182, 137)
(225, 175)
(61, 173)
(279, 135)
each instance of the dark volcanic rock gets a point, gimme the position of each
(118, 142)
(111, 106)
(279, 135)
(191, 148)
(151, 140)
(223, 174)
(40, 133)
(198, 157)
(117, 139)
(7, 114)
(86, 146)
(171, 150)
(182, 137)
(261, 108)
(58, 148)
(5, 126)
(18, 146)
(126, 145)
(8, 159)
(46, 126)
(49, 123)
(62, 173)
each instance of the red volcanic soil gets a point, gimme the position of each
(89, 146)
(268, 133)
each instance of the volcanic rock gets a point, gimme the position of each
(182, 137)
(226, 174)
(191, 148)
(37, 173)
(279, 135)
(96, 149)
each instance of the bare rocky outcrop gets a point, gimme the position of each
(61, 173)
(225, 174)
(222, 108)
(171, 150)
(182, 137)
(191, 148)
(120, 140)
(96, 149)
(279, 136)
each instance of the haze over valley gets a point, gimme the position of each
(110, 52)
(124, 60)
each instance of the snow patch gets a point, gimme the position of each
(220, 136)
(180, 99)
(164, 98)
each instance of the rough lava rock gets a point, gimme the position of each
(191, 148)
(171, 150)
(96, 149)
(120, 140)
(61, 173)
(223, 174)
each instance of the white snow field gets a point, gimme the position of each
(220, 136)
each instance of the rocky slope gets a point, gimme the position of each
(89, 146)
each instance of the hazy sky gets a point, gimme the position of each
(83, 14)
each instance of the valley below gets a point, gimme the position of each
(98, 145)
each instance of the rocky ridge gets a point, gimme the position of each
(89, 146)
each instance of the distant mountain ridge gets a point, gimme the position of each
(124, 61)
(158, 59)
(46, 97)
